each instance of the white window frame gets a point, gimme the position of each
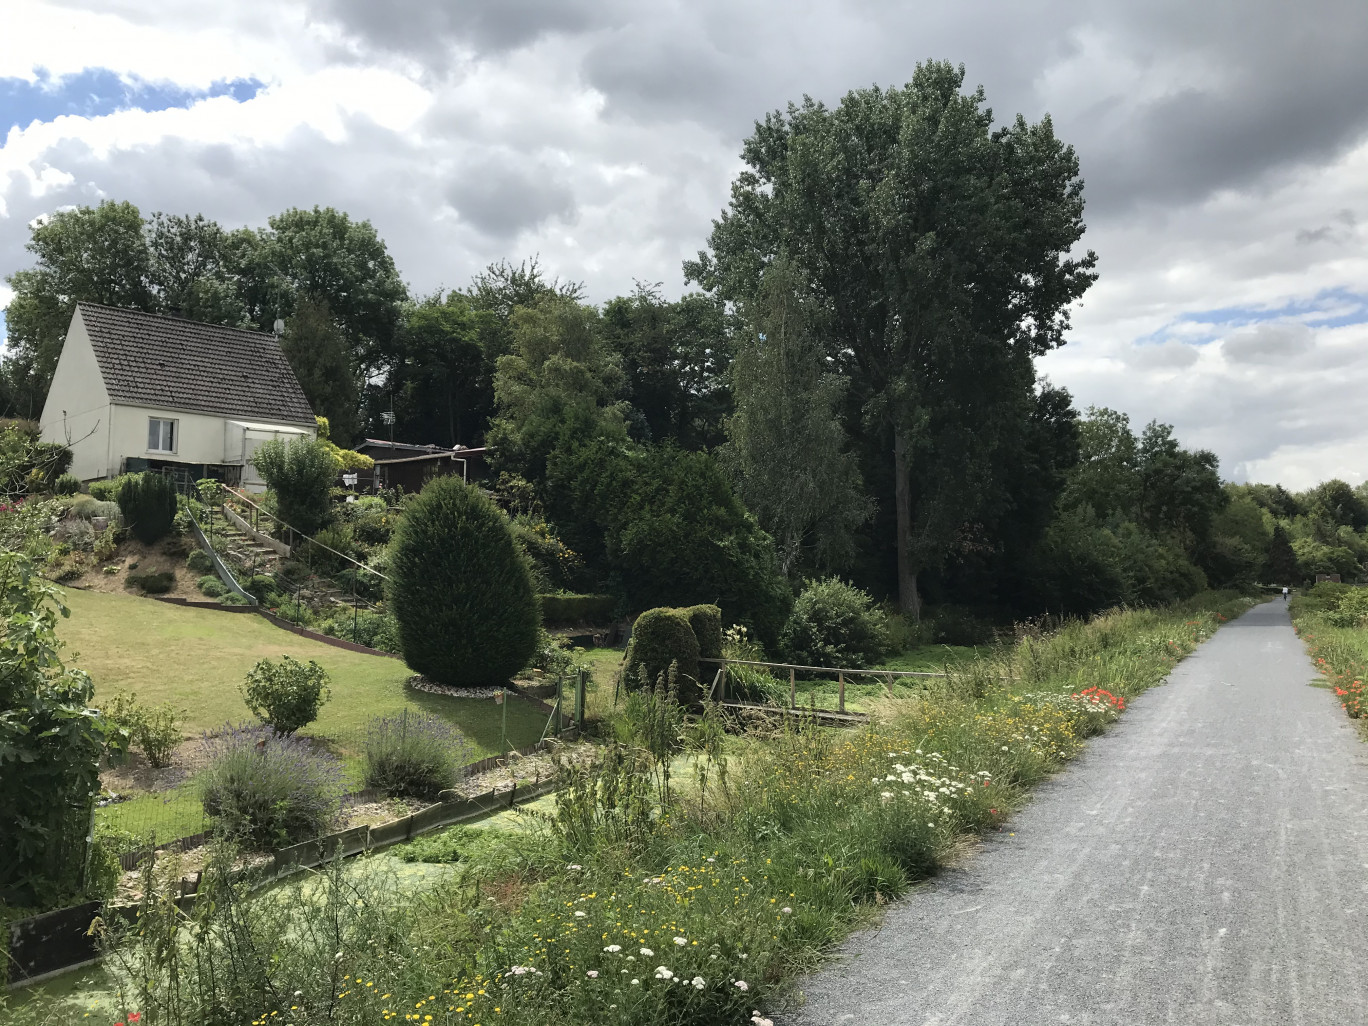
(161, 434)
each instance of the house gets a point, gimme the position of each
(407, 466)
(137, 391)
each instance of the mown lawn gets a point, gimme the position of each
(196, 658)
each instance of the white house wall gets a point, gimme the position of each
(200, 437)
(77, 412)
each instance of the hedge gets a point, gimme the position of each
(706, 622)
(661, 637)
(576, 608)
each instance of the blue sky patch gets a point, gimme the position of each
(97, 91)
(1332, 308)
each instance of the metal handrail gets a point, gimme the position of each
(820, 669)
(310, 540)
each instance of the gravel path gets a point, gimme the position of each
(1202, 863)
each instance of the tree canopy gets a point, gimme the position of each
(939, 250)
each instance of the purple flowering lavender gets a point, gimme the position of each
(414, 754)
(267, 790)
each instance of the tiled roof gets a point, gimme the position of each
(155, 360)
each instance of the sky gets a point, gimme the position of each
(1224, 146)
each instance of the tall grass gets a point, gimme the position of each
(700, 909)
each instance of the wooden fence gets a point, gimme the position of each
(718, 690)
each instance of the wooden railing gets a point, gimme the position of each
(718, 690)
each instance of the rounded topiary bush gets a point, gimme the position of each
(835, 624)
(661, 637)
(460, 589)
(706, 622)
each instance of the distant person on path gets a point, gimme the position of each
(1284, 593)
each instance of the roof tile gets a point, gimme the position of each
(156, 360)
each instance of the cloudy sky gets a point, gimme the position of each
(1224, 144)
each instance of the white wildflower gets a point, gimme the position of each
(662, 973)
(681, 941)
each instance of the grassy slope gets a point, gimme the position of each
(196, 658)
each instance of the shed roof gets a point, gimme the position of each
(178, 364)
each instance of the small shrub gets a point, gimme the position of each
(232, 598)
(661, 637)
(200, 562)
(106, 544)
(66, 484)
(286, 695)
(265, 789)
(148, 503)
(76, 533)
(210, 585)
(158, 734)
(414, 754)
(88, 507)
(106, 491)
(835, 624)
(152, 583)
(155, 730)
(459, 588)
(259, 586)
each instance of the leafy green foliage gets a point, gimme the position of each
(835, 624)
(669, 528)
(200, 562)
(26, 464)
(300, 474)
(706, 622)
(50, 743)
(938, 247)
(661, 639)
(317, 350)
(286, 695)
(148, 504)
(106, 491)
(576, 608)
(364, 627)
(210, 585)
(66, 484)
(414, 754)
(460, 589)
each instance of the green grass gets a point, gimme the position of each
(934, 658)
(196, 658)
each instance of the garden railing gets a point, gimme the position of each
(718, 690)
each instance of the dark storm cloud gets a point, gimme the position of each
(1257, 84)
(427, 29)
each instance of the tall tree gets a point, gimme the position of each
(675, 356)
(1106, 475)
(323, 254)
(787, 450)
(442, 386)
(97, 254)
(1180, 490)
(193, 268)
(317, 351)
(939, 249)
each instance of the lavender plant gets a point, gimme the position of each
(415, 754)
(265, 789)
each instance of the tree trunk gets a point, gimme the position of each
(908, 599)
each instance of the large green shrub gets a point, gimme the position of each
(835, 624)
(148, 504)
(286, 695)
(300, 474)
(66, 484)
(459, 588)
(576, 608)
(661, 637)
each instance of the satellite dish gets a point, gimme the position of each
(279, 326)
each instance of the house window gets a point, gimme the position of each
(161, 435)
